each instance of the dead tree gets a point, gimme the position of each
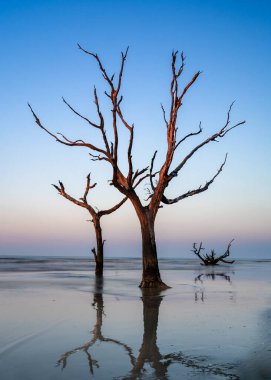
(98, 252)
(211, 258)
(127, 183)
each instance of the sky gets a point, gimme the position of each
(229, 41)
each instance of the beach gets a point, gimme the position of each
(58, 322)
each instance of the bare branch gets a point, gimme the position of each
(226, 254)
(82, 117)
(62, 192)
(56, 187)
(129, 155)
(70, 141)
(97, 157)
(106, 93)
(221, 133)
(189, 135)
(67, 141)
(197, 251)
(131, 140)
(196, 191)
(193, 80)
(151, 169)
(96, 101)
(140, 180)
(88, 187)
(104, 73)
(149, 194)
(130, 127)
(39, 123)
(82, 202)
(112, 209)
(176, 99)
(164, 115)
(123, 59)
(138, 173)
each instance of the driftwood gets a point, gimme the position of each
(212, 258)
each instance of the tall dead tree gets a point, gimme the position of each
(127, 183)
(98, 252)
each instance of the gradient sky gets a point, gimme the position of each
(229, 41)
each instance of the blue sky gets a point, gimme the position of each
(229, 41)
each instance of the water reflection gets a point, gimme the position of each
(97, 335)
(148, 361)
(202, 277)
(149, 351)
(212, 276)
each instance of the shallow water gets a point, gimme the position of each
(57, 322)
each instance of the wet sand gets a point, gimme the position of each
(57, 322)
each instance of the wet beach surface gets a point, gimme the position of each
(57, 322)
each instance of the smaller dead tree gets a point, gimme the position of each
(211, 258)
(98, 252)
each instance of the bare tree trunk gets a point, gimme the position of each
(151, 274)
(99, 253)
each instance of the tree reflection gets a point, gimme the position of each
(200, 292)
(149, 352)
(97, 335)
(213, 276)
(149, 357)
